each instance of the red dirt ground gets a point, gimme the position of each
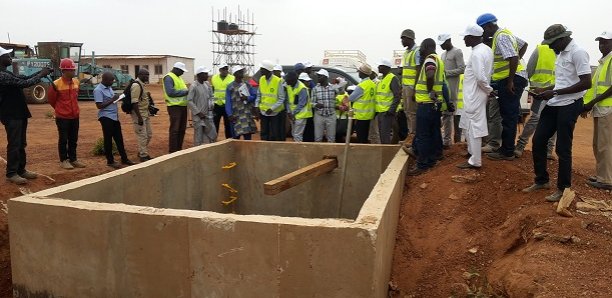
(435, 232)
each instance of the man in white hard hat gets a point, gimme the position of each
(476, 91)
(453, 67)
(271, 104)
(14, 116)
(388, 96)
(278, 71)
(324, 100)
(175, 94)
(200, 101)
(599, 100)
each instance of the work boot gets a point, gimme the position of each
(518, 151)
(592, 178)
(66, 165)
(128, 162)
(416, 171)
(550, 156)
(499, 156)
(114, 165)
(536, 186)
(488, 149)
(17, 179)
(555, 197)
(29, 175)
(77, 164)
(145, 158)
(599, 185)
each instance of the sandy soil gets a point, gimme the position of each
(435, 231)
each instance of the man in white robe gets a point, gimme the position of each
(476, 91)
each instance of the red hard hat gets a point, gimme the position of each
(68, 64)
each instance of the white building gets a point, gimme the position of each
(158, 65)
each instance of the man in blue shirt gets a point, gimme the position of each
(109, 118)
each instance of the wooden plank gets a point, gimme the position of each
(299, 176)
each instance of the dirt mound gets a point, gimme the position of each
(473, 233)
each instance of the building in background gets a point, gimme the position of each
(158, 65)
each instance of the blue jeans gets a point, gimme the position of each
(510, 111)
(428, 139)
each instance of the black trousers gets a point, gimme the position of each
(561, 120)
(111, 130)
(178, 125)
(220, 113)
(457, 136)
(68, 131)
(402, 125)
(16, 144)
(510, 111)
(428, 138)
(273, 127)
(363, 131)
(309, 130)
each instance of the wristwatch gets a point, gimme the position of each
(555, 93)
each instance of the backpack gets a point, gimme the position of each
(126, 102)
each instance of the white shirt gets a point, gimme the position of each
(571, 63)
(476, 90)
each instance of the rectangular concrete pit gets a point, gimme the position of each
(159, 229)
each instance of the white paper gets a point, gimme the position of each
(122, 96)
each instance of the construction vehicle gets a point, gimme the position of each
(49, 54)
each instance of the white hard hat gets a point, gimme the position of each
(278, 67)
(4, 51)
(304, 77)
(181, 66)
(268, 65)
(237, 68)
(473, 30)
(202, 69)
(385, 62)
(222, 65)
(442, 38)
(323, 72)
(308, 64)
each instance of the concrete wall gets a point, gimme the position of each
(65, 248)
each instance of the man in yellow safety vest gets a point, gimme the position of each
(175, 94)
(219, 83)
(599, 100)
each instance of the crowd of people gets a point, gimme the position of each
(433, 102)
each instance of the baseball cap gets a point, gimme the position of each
(442, 38)
(408, 33)
(266, 64)
(298, 66)
(237, 68)
(385, 62)
(181, 66)
(5, 51)
(323, 72)
(555, 32)
(604, 35)
(472, 30)
(304, 77)
(202, 69)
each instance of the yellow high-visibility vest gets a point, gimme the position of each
(220, 85)
(460, 93)
(364, 108)
(421, 93)
(544, 74)
(339, 99)
(409, 67)
(384, 96)
(179, 84)
(269, 93)
(292, 93)
(602, 80)
(501, 67)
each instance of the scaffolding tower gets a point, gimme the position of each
(233, 39)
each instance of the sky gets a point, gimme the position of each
(289, 31)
